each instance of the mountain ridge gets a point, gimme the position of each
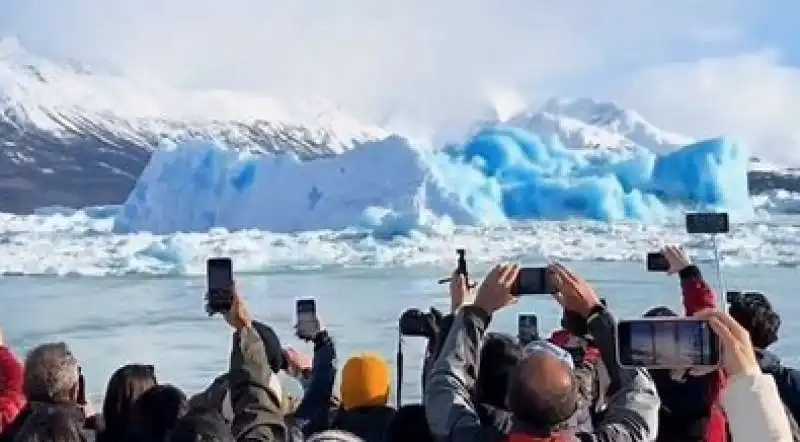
(72, 137)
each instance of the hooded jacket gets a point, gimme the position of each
(12, 399)
(698, 295)
(631, 416)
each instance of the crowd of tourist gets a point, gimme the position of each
(478, 386)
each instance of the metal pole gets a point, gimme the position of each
(718, 265)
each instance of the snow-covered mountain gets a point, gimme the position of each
(75, 138)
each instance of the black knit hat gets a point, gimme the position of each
(272, 345)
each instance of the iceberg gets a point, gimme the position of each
(501, 174)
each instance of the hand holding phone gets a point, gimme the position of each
(307, 322)
(532, 281)
(667, 343)
(657, 262)
(219, 296)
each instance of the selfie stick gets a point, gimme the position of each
(718, 264)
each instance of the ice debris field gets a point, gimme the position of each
(500, 174)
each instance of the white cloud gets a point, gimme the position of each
(433, 58)
(439, 60)
(754, 97)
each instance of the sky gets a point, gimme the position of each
(700, 67)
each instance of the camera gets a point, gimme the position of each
(416, 323)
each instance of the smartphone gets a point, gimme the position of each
(219, 273)
(707, 223)
(532, 281)
(733, 296)
(306, 313)
(81, 387)
(657, 262)
(667, 343)
(527, 328)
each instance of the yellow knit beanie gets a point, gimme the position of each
(366, 380)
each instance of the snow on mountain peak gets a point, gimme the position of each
(616, 119)
(55, 97)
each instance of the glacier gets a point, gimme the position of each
(499, 175)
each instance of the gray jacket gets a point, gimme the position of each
(631, 413)
(257, 415)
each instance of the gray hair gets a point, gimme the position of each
(51, 373)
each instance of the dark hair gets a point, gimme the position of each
(50, 424)
(410, 424)
(125, 387)
(660, 312)
(499, 355)
(159, 409)
(540, 405)
(754, 312)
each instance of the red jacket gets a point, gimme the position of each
(698, 295)
(12, 399)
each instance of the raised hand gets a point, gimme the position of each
(738, 356)
(495, 291)
(239, 316)
(460, 294)
(572, 292)
(677, 258)
(307, 329)
(297, 362)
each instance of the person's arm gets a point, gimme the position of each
(313, 413)
(448, 404)
(444, 331)
(12, 399)
(632, 410)
(754, 409)
(697, 293)
(257, 414)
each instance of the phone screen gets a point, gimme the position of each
(306, 311)
(219, 272)
(527, 328)
(532, 281)
(667, 343)
(707, 223)
(657, 262)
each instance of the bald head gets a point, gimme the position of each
(543, 392)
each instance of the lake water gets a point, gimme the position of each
(111, 321)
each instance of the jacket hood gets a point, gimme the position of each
(768, 361)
